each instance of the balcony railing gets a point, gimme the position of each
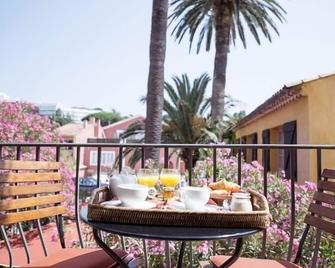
(237, 149)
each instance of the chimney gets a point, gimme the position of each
(97, 128)
(92, 120)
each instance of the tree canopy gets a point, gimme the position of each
(106, 118)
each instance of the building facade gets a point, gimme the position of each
(300, 113)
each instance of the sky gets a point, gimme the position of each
(96, 53)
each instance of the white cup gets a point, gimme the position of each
(195, 198)
(132, 195)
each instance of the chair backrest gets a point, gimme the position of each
(322, 210)
(321, 213)
(29, 190)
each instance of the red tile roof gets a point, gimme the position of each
(289, 93)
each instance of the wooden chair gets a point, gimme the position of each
(321, 216)
(30, 191)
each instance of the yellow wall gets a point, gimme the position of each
(321, 95)
(297, 110)
(315, 116)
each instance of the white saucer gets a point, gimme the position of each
(143, 205)
(181, 206)
(111, 203)
(115, 203)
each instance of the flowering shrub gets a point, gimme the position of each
(279, 196)
(278, 234)
(21, 123)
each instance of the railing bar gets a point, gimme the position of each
(59, 218)
(18, 157)
(191, 146)
(123, 244)
(239, 167)
(57, 153)
(264, 237)
(120, 158)
(77, 198)
(9, 249)
(214, 165)
(167, 255)
(18, 152)
(166, 157)
(316, 248)
(191, 254)
(265, 193)
(292, 223)
(39, 228)
(319, 163)
(145, 253)
(142, 157)
(98, 166)
(190, 166)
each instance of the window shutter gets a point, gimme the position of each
(266, 153)
(254, 151)
(290, 137)
(244, 151)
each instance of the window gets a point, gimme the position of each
(107, 158)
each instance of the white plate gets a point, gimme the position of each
(181, 206)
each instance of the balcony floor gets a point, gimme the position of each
(35, 247)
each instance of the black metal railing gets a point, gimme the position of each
(238, 149)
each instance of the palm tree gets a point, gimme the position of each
(155, 91)
(226, 19)
(185, 116)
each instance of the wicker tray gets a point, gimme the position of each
(258, 218)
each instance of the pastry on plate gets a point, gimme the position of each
(225, 185)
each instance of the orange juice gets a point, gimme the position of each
(170, 180)
(149, 181)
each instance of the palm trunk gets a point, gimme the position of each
(223, 21)
(155, 93)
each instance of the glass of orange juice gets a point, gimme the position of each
(169, 178)
(148, 177)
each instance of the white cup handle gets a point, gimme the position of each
(152, 192)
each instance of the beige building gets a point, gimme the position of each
(300, 113)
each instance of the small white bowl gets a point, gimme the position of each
(132, 195)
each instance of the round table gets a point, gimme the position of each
(169, 233)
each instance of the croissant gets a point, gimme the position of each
(225, 185)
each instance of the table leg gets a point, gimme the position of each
(236, 254)
(108, 250)
(181, 255)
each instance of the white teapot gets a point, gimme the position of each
(126, 176)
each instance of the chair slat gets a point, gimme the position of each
(30, 189)
(326, 186)
(328, 173)
(324, 197)
(16, 217)
(29, 177)
(322, 211)
(317, 222)
(10, 204)
(28, 165)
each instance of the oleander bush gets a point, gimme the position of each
(20, 122)
(278, 234)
